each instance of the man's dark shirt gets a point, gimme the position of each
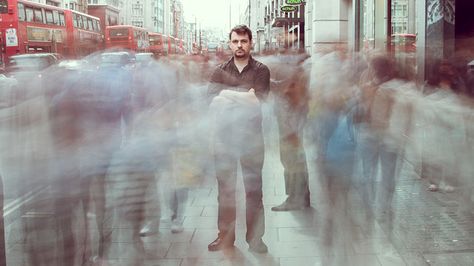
(254, 75)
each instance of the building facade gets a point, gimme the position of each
(254, 17)
(416, 32)
(282, 25)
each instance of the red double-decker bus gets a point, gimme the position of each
(157, 46)
(84, 33)
(127, 37)
(29, 27)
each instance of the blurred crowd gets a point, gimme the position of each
(118, 140)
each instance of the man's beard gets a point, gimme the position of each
(242, 55)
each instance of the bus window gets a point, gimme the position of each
(96, 26)
(84, 22)
(118, 33)
(21, 12)
(79, 22)
(74, 20)
(49, 16)
(3, 6)
(38, 15)
(89, 22)
(61, 19)
(56, 17)
(29, 14)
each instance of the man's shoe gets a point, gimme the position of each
(258, 246)
(289, 206)
(219, 244)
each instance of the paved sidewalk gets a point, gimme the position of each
(427, 228)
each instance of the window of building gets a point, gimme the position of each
(137, 9)
(52, 3)
(137, 23)
(21, 12)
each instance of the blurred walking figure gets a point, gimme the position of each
(87, 129)
(377, 142)
(238, 87)
(331, 125)
(291, 109)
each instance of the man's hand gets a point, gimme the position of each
(244, 98)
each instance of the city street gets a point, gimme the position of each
(425, 228)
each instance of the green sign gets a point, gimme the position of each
(294, 2)
(288, 8)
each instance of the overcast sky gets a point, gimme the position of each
(213, 13)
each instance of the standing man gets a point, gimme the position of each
(238, 87)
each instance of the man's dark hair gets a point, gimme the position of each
(241, 30)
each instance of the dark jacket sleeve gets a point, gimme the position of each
(216, 84)
(262, 83)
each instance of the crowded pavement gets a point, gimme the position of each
(109, 160)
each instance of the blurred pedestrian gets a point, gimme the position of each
(238, 86)
(290, 88)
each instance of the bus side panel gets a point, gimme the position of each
(11, 38)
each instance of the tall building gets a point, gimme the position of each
(177, 19)
(253, 16)
(159, 16)
(138, 13)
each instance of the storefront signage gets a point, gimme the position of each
(294, 2)
(288, 8)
